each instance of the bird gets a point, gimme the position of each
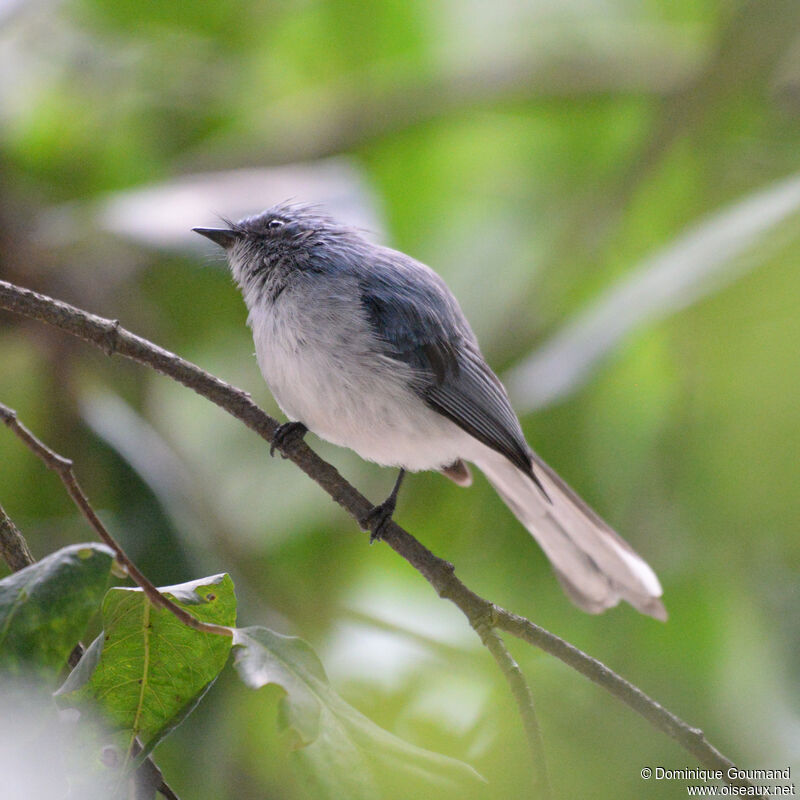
(368, 348)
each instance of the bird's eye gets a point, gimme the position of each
(275, 223)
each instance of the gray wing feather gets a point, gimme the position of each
(418, 321)
(476, 401)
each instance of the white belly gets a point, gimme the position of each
(346, 393)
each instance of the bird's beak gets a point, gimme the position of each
(224, 237)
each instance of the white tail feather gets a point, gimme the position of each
(595, 566)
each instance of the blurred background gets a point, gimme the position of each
(612, 190)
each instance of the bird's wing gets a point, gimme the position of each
(476, 401)
(418, 322)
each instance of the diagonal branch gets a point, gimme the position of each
(16, 553)
(691, 739)
(63, 466)
(13, 547)
(108, 335)
(524, 699)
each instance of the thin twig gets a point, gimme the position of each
(149, 778)
(17, 555)
(63, 467)
(109, 336)
(691, 739)
(13, 547)
(524, 699)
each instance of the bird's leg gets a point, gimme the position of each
(378, 517)
(285, 434)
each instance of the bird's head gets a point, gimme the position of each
(287, 237)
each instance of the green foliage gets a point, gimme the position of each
(45, 608)
(342, 752)
(535, 154)
(147, 670)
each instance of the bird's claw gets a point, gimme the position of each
(376, 520)
(285, 434)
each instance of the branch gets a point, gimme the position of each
(63, 466)
(108, 335)
(17, 555)
(691, 739)
(13, 547)
(524, 699)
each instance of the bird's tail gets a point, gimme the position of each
(596, 567)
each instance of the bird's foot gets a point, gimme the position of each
(286, 434)
(377, 519)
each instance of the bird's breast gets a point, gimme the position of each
(325, 369)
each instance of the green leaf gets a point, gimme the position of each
(44, 608)
(148, 670)
(345, 753)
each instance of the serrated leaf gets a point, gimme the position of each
(345, 753)
(148, 670)
(44, 608)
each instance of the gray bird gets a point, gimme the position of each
(368, 349)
